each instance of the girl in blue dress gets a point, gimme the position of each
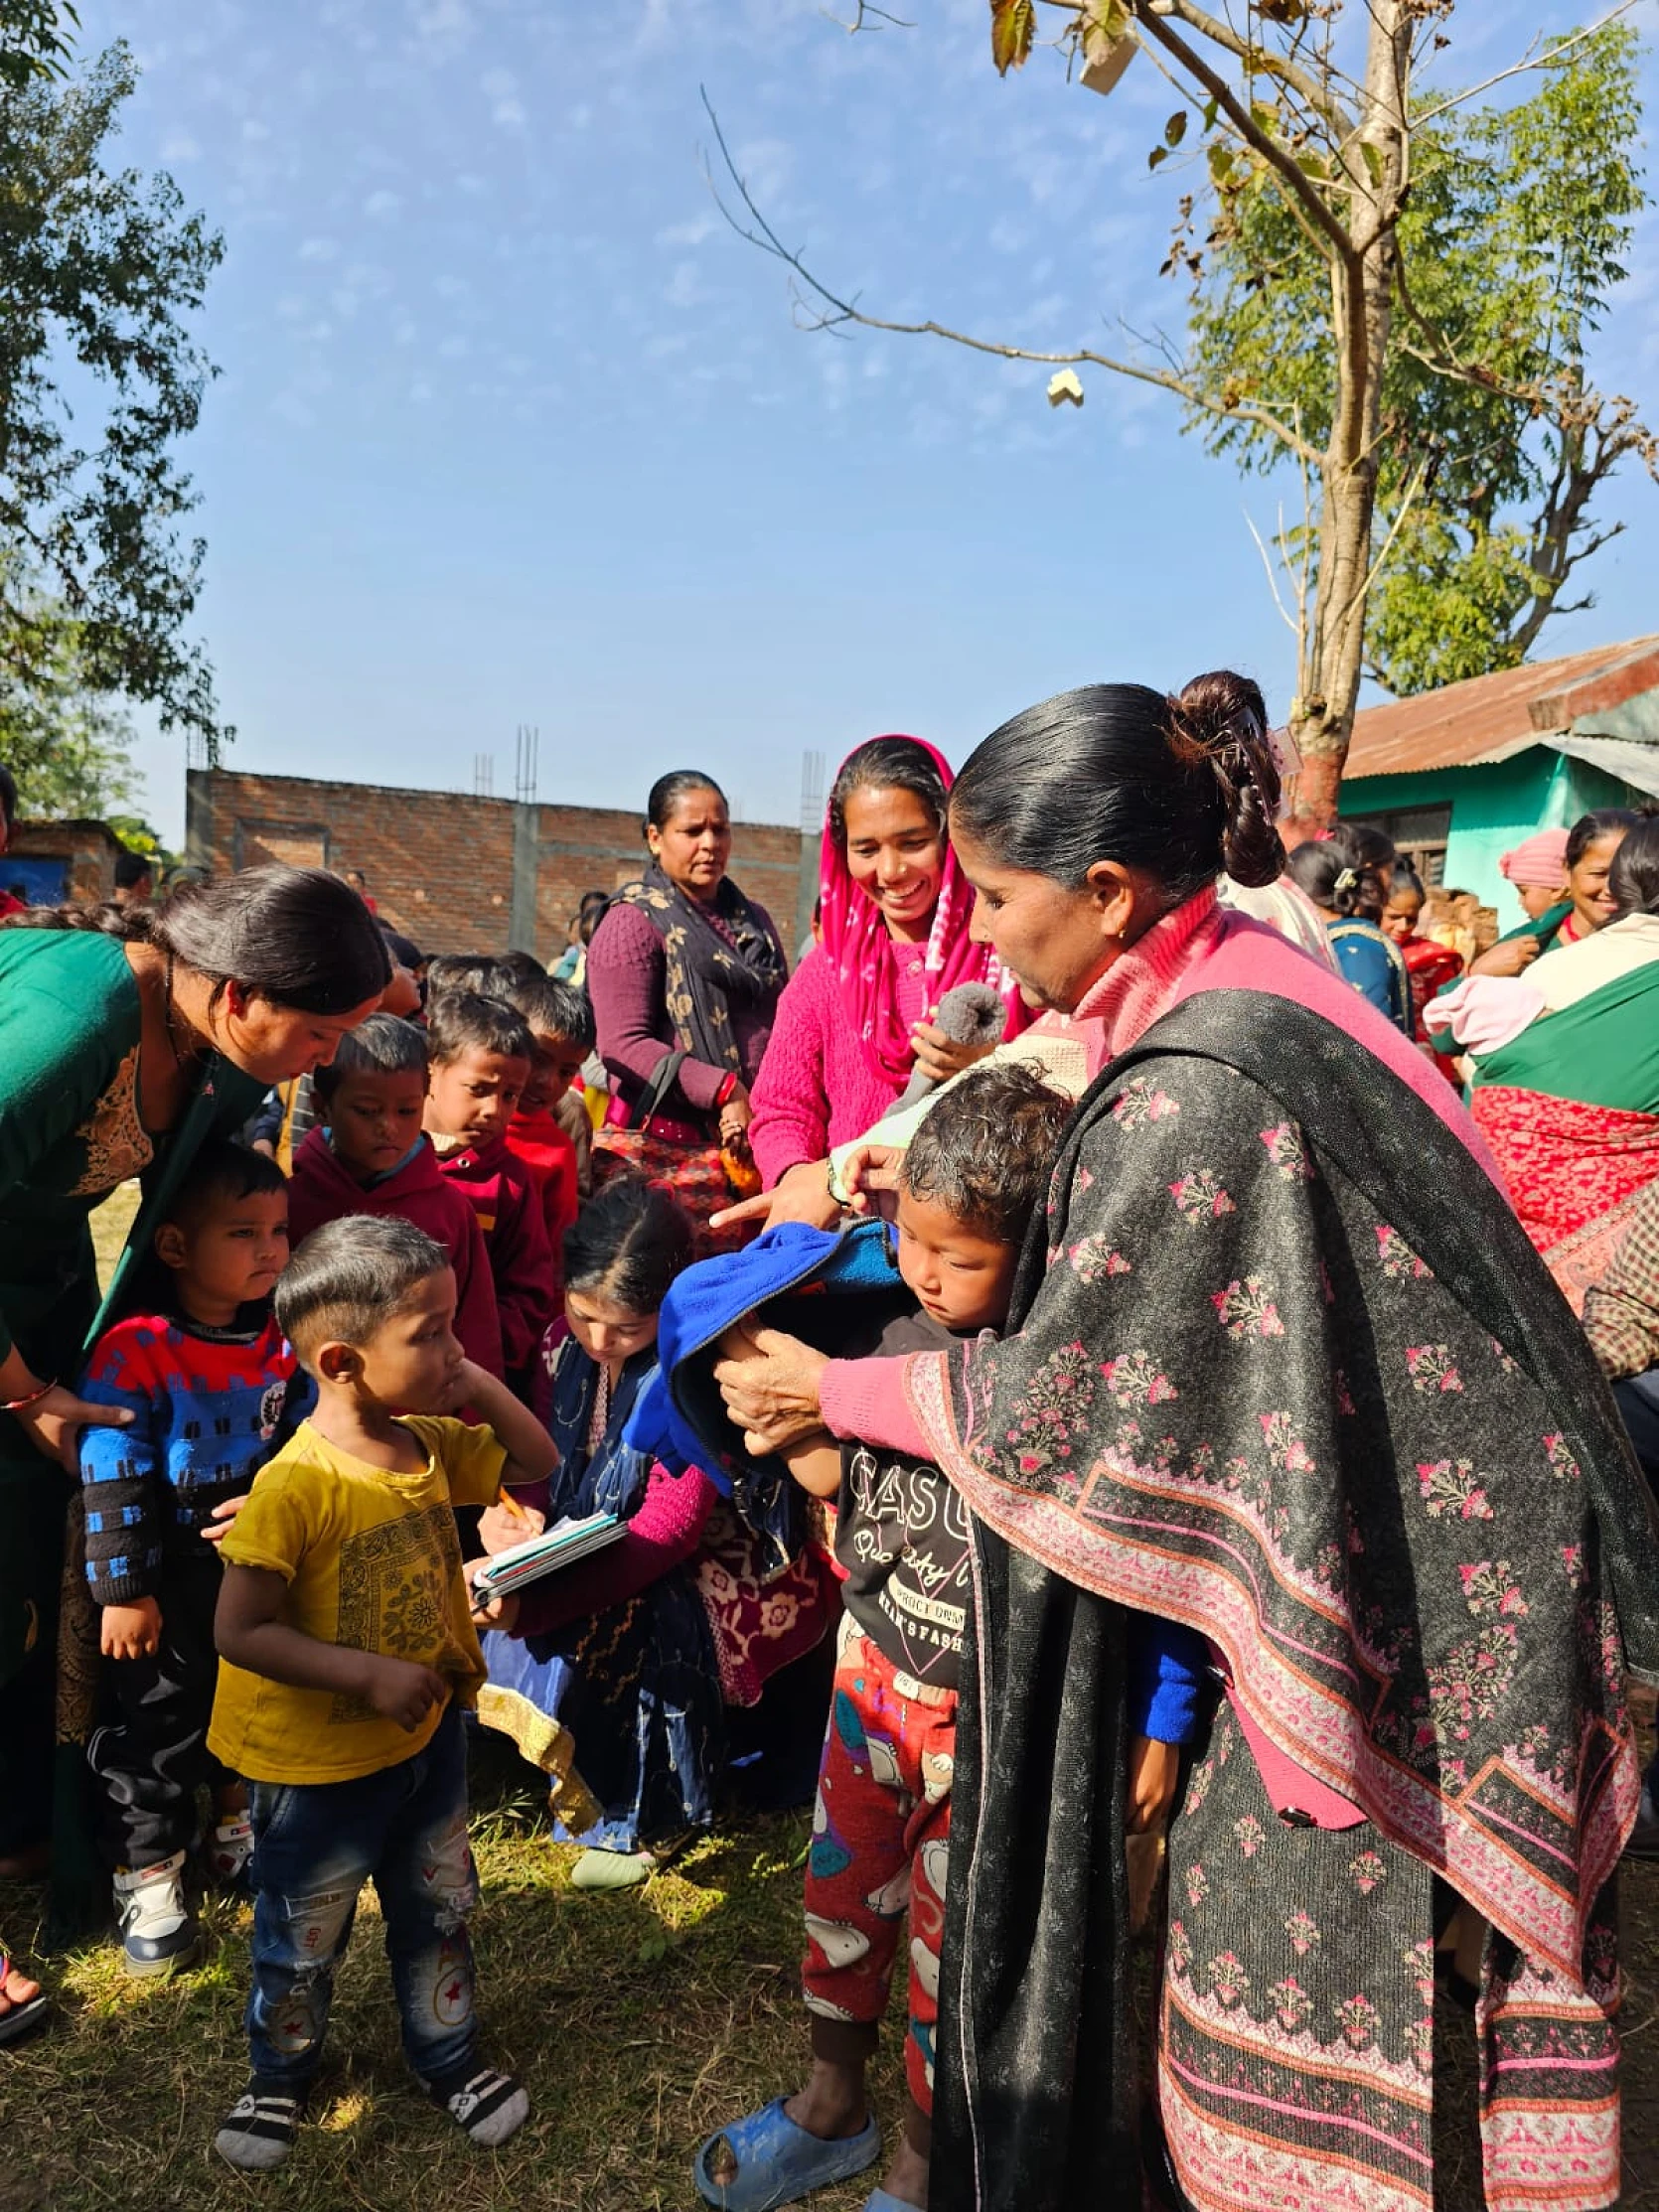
(1347, 876)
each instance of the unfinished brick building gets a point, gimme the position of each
(464, 874)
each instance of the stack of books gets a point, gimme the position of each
(559, 1547)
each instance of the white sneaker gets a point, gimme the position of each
(228, 1852)
(159, 1932)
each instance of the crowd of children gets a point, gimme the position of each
(328, 1388)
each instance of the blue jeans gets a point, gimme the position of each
(314, 1845)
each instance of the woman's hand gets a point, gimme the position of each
(491, 1612)
(802, 1194)
(871, 1176)
(1153, 1771)
(130, 1631)
(54, 1423)
(735, 1115)
(940, 1057)
(220, 1520)
(1510, 957)
(502, 1526)
(770, 1383)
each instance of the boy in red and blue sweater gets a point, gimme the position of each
(213, 1389)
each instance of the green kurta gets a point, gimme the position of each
(70, 1132)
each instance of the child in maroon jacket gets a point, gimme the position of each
(369, 1155)
(560, 1022)
(481, 1055)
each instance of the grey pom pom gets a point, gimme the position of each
(972, 1015)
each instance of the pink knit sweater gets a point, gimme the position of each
(816, 1087)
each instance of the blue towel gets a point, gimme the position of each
(682, 1412)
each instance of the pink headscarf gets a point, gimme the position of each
(1538, 865)
(857, 946)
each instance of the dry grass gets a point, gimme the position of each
(639, 2024)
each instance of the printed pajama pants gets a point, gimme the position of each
(879, 1850)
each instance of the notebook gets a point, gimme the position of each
(559, 1547)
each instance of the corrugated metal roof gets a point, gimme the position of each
(1471, 725)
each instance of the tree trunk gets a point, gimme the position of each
(1333, 651)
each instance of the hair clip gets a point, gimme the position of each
(1348, 880)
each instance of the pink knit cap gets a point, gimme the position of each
(1538, 865)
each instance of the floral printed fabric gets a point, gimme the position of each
(1263, 1416)
(1300, 1981)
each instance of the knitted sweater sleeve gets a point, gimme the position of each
(626, 982)
(663, 1534)
(792, 1095)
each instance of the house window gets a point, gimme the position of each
(1419, 835)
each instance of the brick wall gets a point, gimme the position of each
(440, 864)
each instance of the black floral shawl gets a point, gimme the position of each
(706, 974)
(1283, 1366)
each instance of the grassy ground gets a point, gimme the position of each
(639, 2022)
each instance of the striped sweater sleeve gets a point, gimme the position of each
(121, 1472)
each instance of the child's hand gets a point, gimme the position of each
(463, 1391)
(218, 1522)
(130, 1631)
(400, 1690)
(1153, 1771)
(507, 1523)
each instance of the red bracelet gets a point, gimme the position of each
(723, 1097)
(22, 1405)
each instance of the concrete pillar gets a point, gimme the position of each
(526, 858)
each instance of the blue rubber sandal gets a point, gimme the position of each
(776, 2163)
(883, 2200)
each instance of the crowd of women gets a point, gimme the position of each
(1287, 1371)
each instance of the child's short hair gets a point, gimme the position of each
(516, 967)
(383, 1045)
(627, 1245)
(463, 971)
(352, 1276)
(467, 1021)
(554, 1010)
(222, 1174)
(986, 1149)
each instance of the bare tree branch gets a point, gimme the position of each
(1284, 614)
(832, 310)
(1531, 60)
(866, 13)
(1232, 42)
(1338, 245)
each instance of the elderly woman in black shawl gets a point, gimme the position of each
(1280, 1366)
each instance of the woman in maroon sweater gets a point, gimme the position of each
(856, 1020)
(684, 962)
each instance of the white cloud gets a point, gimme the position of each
(690, 233)
(180, 147)
(319, 249)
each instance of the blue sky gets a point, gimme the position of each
(511, 428)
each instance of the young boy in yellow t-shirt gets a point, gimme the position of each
(347, 1654)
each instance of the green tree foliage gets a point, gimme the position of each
(68, 744)
(1515, 232)
(101, 273)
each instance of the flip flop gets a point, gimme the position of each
(883, 2200)
(22, 2020)
(779, 2162)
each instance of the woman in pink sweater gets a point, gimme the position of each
(855, 1020)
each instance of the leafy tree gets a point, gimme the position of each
(1493, 443)
(1442, 424)
(101, 273)
(68, 744)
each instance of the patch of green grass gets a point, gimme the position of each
(639, 2022)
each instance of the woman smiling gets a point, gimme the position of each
(856, 1020)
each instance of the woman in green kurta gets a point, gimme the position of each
(126, 1037)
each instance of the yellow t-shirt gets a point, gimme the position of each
(372, 1561)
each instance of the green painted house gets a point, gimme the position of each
(1459, 777)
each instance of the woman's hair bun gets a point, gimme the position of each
(1222, 720)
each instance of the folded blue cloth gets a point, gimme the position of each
(682, 1410)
